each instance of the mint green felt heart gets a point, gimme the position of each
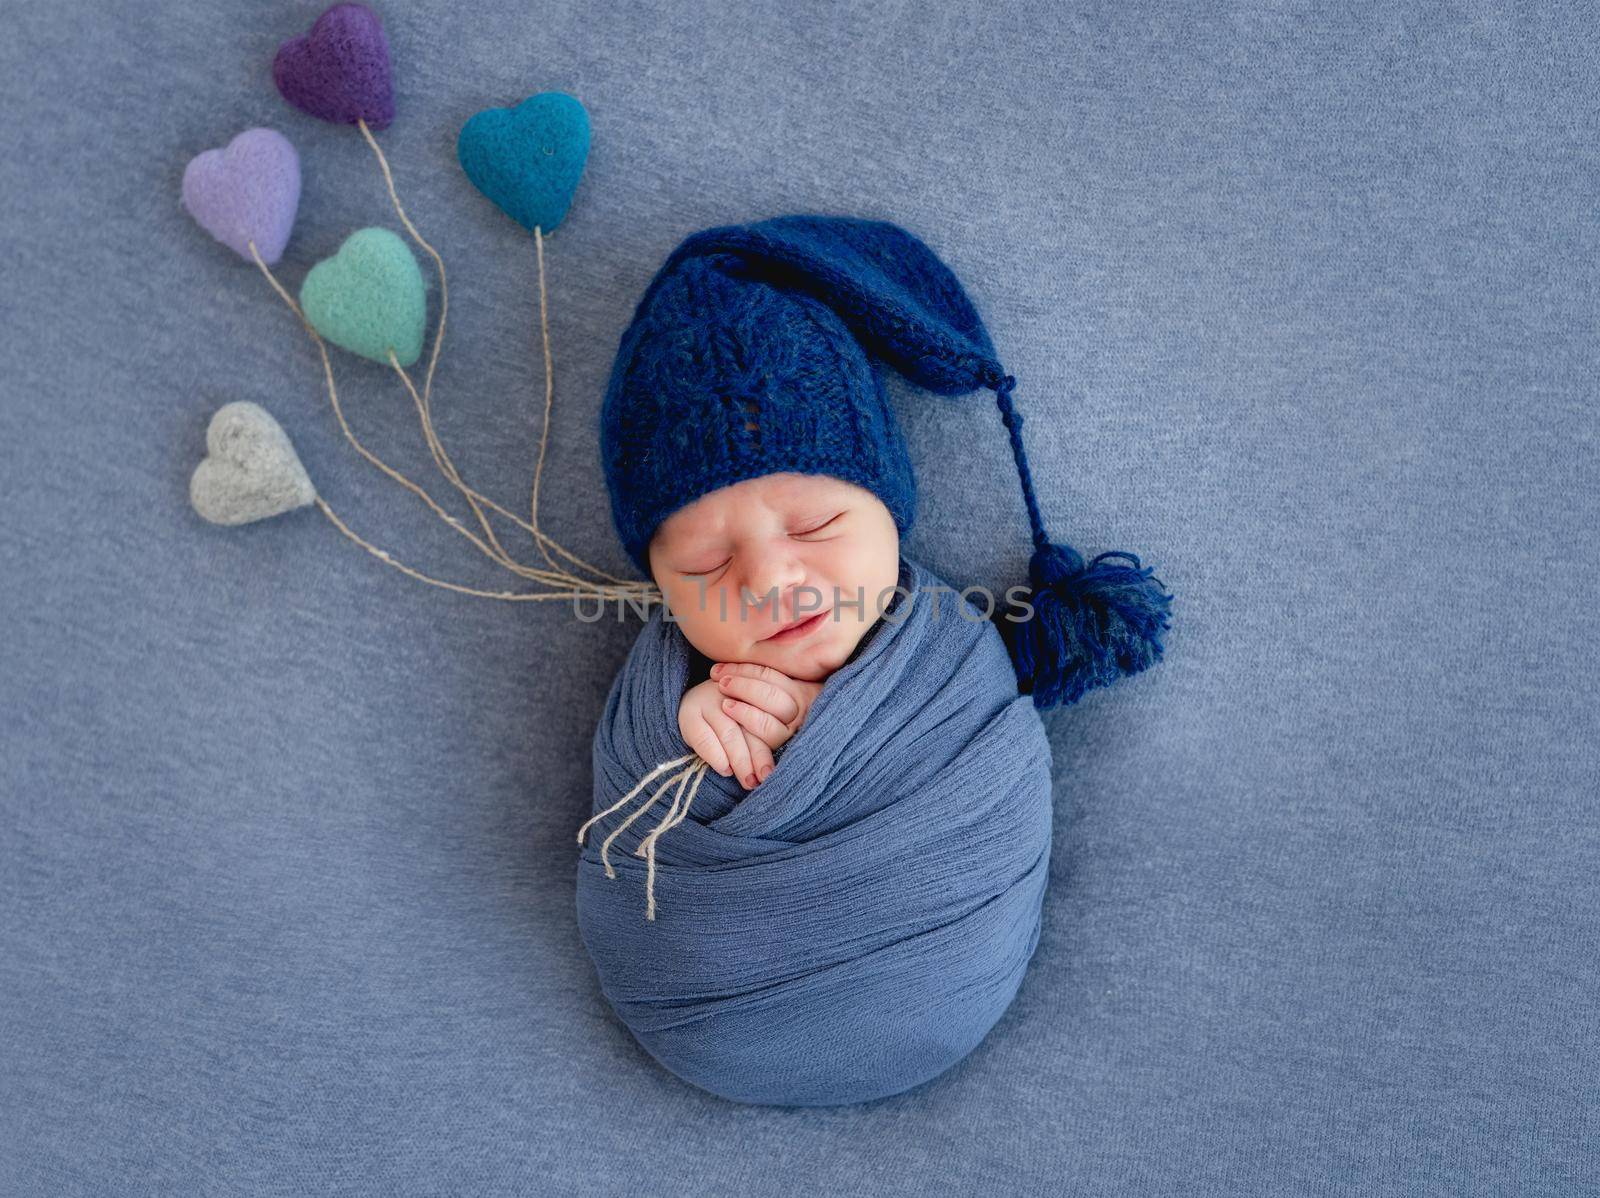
(369, 298)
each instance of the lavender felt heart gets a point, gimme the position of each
(247, 191)
(339, 71)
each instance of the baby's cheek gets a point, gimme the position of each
(715, 637)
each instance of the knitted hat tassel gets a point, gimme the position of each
(1091, 624)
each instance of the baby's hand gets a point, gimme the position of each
(713, 733)
(767, 703)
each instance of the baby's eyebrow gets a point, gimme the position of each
(687, 541)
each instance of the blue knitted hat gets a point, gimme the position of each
(755, 350)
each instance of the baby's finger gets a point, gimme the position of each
(749, 669)
(760, 758)
(760, 723)
(702, 738)
(758, 692)
(733, 740)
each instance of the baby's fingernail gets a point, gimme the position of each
(716, 669)
(727, 705)
(765, 770)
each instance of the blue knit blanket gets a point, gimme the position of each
(858, 922)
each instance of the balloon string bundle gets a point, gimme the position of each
(383, 555)
(493, 549)
(369, 297)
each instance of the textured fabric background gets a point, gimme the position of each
(1302, 305)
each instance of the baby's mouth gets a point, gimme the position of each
(797, 629)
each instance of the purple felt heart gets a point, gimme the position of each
(339, 71)
(247, 191)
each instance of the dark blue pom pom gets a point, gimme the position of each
(1089, 626)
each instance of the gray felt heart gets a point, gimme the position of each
(251, 471)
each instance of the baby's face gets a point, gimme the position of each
(792, 547)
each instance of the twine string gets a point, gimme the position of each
(436, 447)
(694, 771)
(540, 537)
(549, 392)
(681, 777)
(444, 285)
(647, 846)
(489, 545)
(582, 588)
(425, 405)
(338, 411)
(621, 802)
(441, 459)
(387, 559)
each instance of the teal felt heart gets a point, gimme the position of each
(369, 298)
(528, 159)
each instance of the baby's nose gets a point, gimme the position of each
(774, 586)
(771, 603)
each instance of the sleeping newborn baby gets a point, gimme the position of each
(774, 581)
(848, 904)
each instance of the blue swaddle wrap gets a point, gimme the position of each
(857, 923)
